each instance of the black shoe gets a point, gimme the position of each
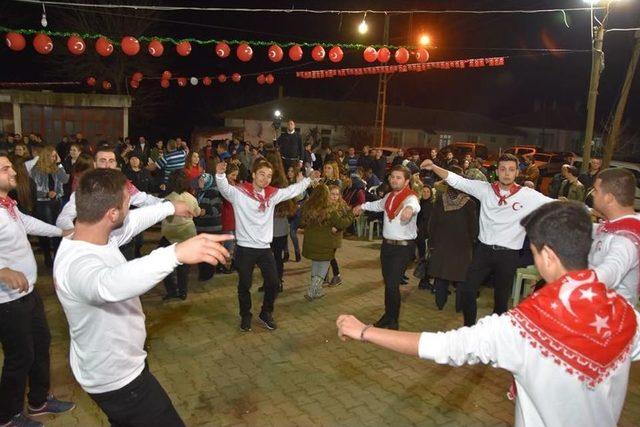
(182, 296)
(393, 325)
(267, 321)
(298, 257)
(285, 258)
(245, 324)
(382, 323)
(404, 280)
(169, 297)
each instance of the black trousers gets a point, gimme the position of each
(246, 260)
(442, 292)
(48, 211)
(278, 246)
(335, 268)
(176, 282)
(141, 403)
(503, 264)
(394, 260)
(25, 338)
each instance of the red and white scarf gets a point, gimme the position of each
(132, 189)
(586, 328)
(269, 191)
(393, 204)
(625, 227)
(502, 200)
(10, 205)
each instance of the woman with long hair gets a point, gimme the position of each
(25, 191)
(323, 219)
(193, 170)
(83, 163)
(331, 174)
(49, 176)
(294, 224)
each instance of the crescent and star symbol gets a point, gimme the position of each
(516, 206)
(564, 295)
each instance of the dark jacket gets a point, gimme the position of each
(451, 239)
(379, 167)
(290, 145)
(141, 179)
(320, 243)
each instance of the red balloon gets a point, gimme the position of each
(402, 55)
(165, 83)
(104, 47)
(370, 54)
(261, 79)
(384, 55)
(106, 84)
(336, 54)
(155, 48)
(166, 75)
(269, 79)
(236, 77)
(183, 48)
(91, 81)
(295, 52)
(76, 45)
(422, 55)
(206, 81)
(130, 45)
(134, 84)
(244, 52)
(137, 76)
(318, 53)
(275, 53)
(222, 78)
(15, 41)
(223, 50)
(182, 81)
(43, 44)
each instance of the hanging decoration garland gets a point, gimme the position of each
(392, 69)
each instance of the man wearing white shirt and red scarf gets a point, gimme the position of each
(100, 294)
(502, 205)
(24, 332)
(616, 242)
(569, 345)
(253, 207)
(401, 207)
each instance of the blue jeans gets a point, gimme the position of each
(293, 233)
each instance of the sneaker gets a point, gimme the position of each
(51, 406)
(22, 420)
(245, 324)
(336, 281)
(267, 321)
(170, 297)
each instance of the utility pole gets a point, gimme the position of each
(381, 106)
(614, 134)
(597, 63)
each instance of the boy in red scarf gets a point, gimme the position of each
(569, 345)
(615, 253)
(401, 207)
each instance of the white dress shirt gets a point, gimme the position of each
(500, 225)
(15, 249)
(547, 395)
(615, 260)
(69, 212)
(99, 292)
(254, 229)
(396, 229)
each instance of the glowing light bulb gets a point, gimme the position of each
(363, 27)
(424, 40)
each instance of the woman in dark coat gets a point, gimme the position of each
(426, 206)
(453, 228)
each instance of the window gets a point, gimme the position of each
(325, 136)
(472, 138)
(444, 140)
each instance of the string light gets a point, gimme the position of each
(43, 21)
(363, 27)
(425, 40)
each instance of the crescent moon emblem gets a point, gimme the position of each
(110, 48)
(49, 46)
(516, 206)
(9, 42)
(79, 45)
(220, 52)
(567, 289)
(272, 54)
(152, 51)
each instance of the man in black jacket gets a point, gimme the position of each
(290, 145)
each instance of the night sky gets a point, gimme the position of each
(529, 78)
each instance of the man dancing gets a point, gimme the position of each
(569, 345)
(401, 207)
(99, 292)
(253, 207)
(502, 205)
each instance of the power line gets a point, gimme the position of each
(311, 11)
(622, 29)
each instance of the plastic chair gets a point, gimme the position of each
(526, 276)
(373, 225)
(360, 224)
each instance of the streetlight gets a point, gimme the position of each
(277, 114)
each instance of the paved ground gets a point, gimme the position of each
(301, 374)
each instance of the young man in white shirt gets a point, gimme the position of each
(24, 332)
(400, 207)
(502, 205)
(616, 241)
(99, 292)
(253, 206)
(569, 345)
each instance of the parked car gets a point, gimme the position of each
(460, 149)
(423, 152)
(548, 163)
(522, 150)
(633, 167)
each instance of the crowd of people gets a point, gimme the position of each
(229, 206)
